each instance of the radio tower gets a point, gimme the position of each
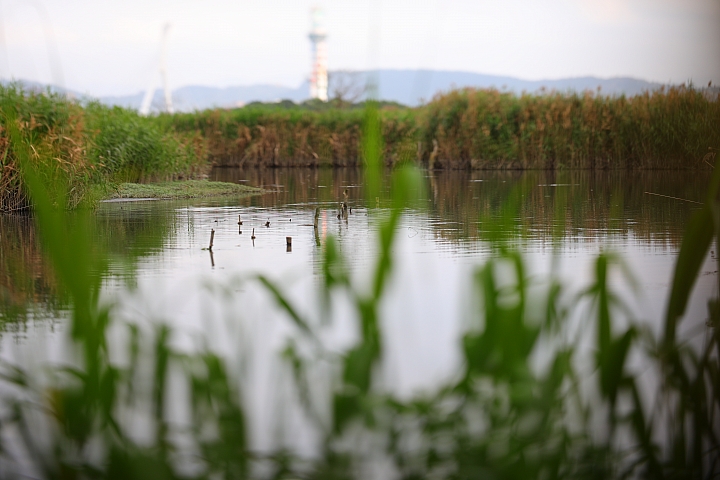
(318, 37)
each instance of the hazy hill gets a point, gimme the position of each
(195, 97)
(409, 87)
(33, 86)
(413, 86)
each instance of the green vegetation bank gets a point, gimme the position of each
(81, 152)
(91, 148)
(475, 129)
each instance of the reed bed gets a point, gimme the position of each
(477, 129)
(78, 148)
(262, 137)
(469, 129)
(676, 128)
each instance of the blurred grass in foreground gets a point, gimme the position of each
(501, 417)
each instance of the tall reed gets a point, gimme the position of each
(666, 129)
(466, 129)
(86, 146)
(258, 137)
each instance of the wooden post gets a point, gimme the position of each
(239, 220)
(253, 234)
(212, 236)
(315, 226)
(288, 242)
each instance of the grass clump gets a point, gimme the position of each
(182, 189)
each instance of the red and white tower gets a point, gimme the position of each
(318, 37)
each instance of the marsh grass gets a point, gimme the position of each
(468, 129)
(667, 129)
(80, 147)
(464, 129)
(132, 148)
(500, 417)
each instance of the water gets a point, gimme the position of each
(560, 223)
(562, 219)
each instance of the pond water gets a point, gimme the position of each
(160, 269)
(561, 219)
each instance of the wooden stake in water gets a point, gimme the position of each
(288, 242)
(239, 220)
(212, 237)
(253, 235)
(315, 227)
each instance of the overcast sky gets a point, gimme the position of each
(110, 47)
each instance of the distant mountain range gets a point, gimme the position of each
(196, 97)
(409, 87)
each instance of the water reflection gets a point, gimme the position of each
(574, 209)
(28, 288)
(583, 204)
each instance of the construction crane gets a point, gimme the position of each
(150, 92)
